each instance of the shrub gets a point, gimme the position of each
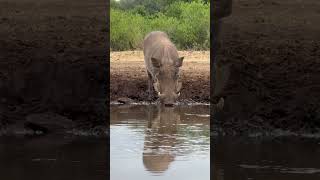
(194, 29)
(187, 23)
(125, 30)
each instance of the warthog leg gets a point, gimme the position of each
(150, 87)
(220, 79)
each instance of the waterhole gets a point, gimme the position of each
(153, 142)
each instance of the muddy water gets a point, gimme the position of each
(283, 159)
(53, 158)
(150, 142)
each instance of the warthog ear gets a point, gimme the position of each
(179, 62)
(155, 62)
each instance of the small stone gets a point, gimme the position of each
(48, 122)
(125, 100)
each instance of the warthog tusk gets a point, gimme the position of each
(159, 93)
(179, 94)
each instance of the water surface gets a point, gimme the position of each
(266, 159)
(53, 158)
(152, 142)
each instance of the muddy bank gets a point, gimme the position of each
(128, 76)
(273, 48)
(53, 61)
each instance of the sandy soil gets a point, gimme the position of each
(128, 76)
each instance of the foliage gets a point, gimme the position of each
(126, 30)
(187, 22)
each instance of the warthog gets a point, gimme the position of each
(162, 63)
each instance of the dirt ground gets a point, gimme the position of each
(128, 76)
(274, 49)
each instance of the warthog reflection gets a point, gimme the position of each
(160, 138)
(164, 130)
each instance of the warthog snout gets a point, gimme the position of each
(168, 99)
(168, 91)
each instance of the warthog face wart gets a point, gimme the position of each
(166, 81)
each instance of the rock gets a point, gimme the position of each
(125, 100)
(48, 122)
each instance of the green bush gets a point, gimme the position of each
(125, 30)
(194, 29)
(163, 23)
(187, 24)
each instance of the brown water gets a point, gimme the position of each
(149, 142)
